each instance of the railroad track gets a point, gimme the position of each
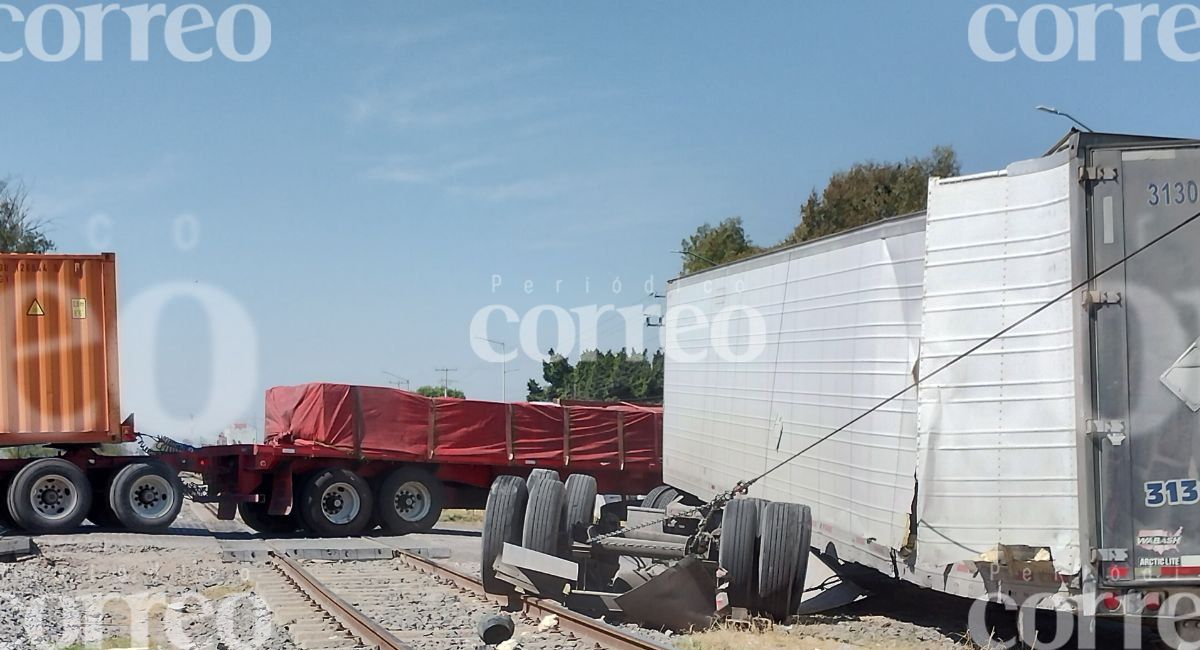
(410, 603)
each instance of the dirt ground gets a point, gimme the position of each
(185, 588)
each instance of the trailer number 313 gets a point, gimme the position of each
(1172, 493)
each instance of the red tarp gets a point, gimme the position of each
(369, 421)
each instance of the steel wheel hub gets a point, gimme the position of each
(340, 503)
(412, 501)
(54, 497)
(152, 497)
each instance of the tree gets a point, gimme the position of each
(438, 391)
(713, 245)
(601, 376)
(20, 232)
(870, 191)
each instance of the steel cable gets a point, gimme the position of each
(743, 486)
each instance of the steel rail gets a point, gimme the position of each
(580, 625)
(355, 622)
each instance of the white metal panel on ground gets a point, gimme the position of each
(997, 430)
(826, 330)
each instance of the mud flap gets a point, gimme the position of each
(682, 598)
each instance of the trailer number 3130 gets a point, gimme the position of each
(1183, 492)
(1173, 193)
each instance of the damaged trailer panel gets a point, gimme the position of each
(838, 330)
(1060, 457)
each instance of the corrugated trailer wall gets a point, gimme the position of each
(838, 330)
(981, 457)
(58, 349)
(998, 429)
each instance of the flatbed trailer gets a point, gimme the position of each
(265, 479)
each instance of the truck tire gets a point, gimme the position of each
(542, 530)
(410, 501)
(336, 503)
(738, 553)
(146, 497)
(503, 519)
(785, 532)
(580, 507)
(49, 495)
(101, 513)
(659, 497)
(542, 473)
(255, 516)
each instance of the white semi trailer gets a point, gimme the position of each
(1057, 462)
(1054, 465)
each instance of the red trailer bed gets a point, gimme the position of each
(385, 422)
(420, 454)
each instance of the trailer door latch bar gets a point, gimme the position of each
(1112, 554)
(1098, 299)
(1114, 430)
(1097, 174)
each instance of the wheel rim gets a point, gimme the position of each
(54, 497)
(340, 503)
(413, 501)
(151, 497)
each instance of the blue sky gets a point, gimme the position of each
(356, 190)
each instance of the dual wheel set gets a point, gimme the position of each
(541, 513)
(53, 495)
(339, 502)
(764, 550)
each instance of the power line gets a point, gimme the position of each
(975, 348)
(445, 379)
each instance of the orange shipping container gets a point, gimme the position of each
(58, 349)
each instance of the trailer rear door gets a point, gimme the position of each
(1146, 360)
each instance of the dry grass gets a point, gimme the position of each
(218, 592)
(462, 517)
(727, 636)
(119, 643)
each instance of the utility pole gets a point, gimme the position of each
(503, 364)
(445, 379)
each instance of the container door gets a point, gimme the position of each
(58, 356)
(1146, 351)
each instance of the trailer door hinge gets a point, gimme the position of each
(1098, 299)
(1113, 430)
(1111, 554)
(1097, 174)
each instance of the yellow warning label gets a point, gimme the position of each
(78, 308)
(36, 309)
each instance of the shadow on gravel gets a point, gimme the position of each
(951, 616)
(455, 532)
(180, 532)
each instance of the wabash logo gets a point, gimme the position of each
(1047, 32)
(191, 33)
(1160, 541)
